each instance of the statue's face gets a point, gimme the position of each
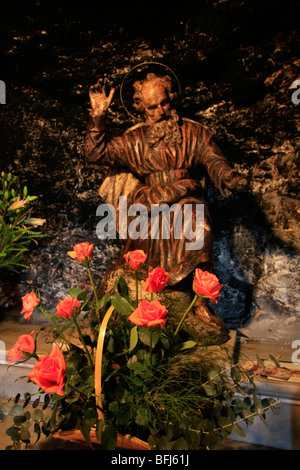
(156, 101)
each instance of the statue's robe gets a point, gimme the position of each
(170, 173)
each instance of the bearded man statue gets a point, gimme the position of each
(165, 160)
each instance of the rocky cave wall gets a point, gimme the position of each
(236, 62)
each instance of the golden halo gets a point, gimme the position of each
(141, 66)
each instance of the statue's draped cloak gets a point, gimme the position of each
(157, 174)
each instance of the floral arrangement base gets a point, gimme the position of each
(123, 442)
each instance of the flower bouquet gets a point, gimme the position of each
(131, 378)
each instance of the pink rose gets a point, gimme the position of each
(24, 343)
(207, 285)
(135, 259)
(67, 308)
(30, 301)
(49, 372)
(156, 280)
(149, 314)
(82, 251)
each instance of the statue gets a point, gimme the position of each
(166, 159)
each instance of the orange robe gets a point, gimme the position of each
(165, 173)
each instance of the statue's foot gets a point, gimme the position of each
(203, 313)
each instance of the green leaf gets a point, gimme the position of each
(14, 433)
(164, 443)
(4, 410)
(82, 295)
(37, 431)
(214, 376)
(102, 302)
(109, 438)
(85, 429)
(17, 397)
(238, 406)
(90, 415)
(257, 403)
(144, 335)
(180, 444)
(19, 420)
(260, 362)
(239, 430)
(47, 400)
(209, 390)
(36, 402)
(114, 407)
(74, 292)
(125, 414)
(37, 415)
(123, 288)
(99, 429)
(275, 406)
(133, 338)
(262, 417)
(141, 417)
(277, 364)
(122, 306)
(225, 424)
(248, 416)
(236, 374)
(27, 397)
(138, 367)
(17, 410)
(188, 345)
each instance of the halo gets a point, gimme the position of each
(139, 68)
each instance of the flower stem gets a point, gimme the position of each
(185, 314)
(136, 287)
(83, 342)
(150, 356)
(92, 280)
(55, 326)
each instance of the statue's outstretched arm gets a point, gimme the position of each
(100, 100)
(95, 142)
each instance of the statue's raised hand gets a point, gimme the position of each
(100, 100)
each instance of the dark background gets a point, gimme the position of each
(236, 61)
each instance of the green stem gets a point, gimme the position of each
(136, 287)
(92, 280)
(150, 357)
(82, 340)
(94, 288)
(185, 314)
(55, 326)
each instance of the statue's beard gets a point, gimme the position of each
(167, 130)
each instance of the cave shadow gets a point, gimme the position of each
(242, 210)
